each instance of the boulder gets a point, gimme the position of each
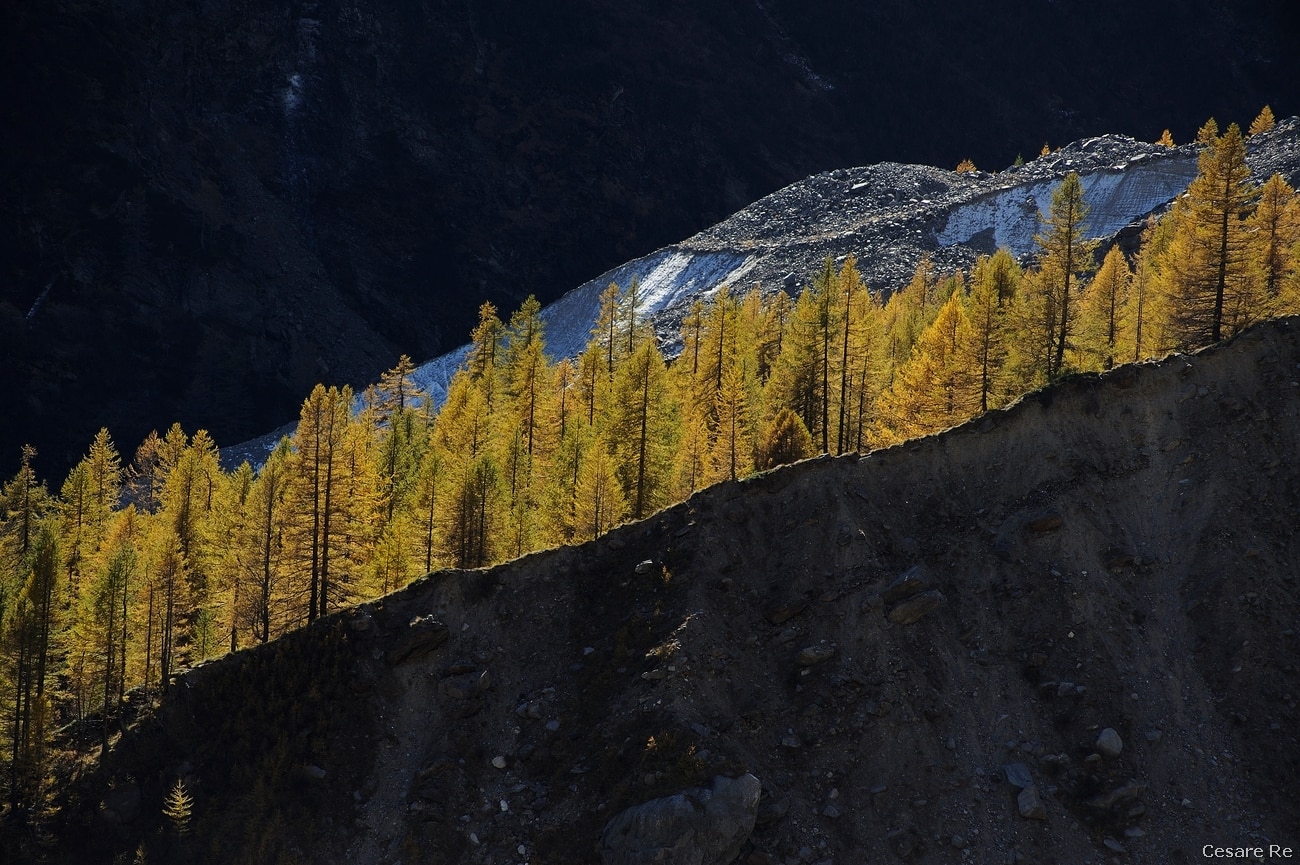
(1109, 744)
(1031, 804)
(784, 611)
(1048, 521)
(422, 636)
(1107, 800)
(810, 655)
(913, 581)
(915, 608)
(1017, 775)
(694, 827)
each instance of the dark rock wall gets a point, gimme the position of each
(210, 206)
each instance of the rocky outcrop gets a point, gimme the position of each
(695, 827)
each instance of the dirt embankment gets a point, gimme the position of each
(1117, 553)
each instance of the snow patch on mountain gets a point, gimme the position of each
(666, 279)
(1114, 196)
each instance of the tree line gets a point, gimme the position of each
(132, 571)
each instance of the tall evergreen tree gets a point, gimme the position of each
(319, 450)
(641, 429)
(1066, 258)
(1274, 229)
(1207, 264)
(994, 283)
(1263, 122)
(939, 384)
(1105, 312)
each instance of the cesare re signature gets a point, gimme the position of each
(1274, 851)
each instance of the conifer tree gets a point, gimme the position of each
(318, 471)
(190, 475)
(178, 807)
(474, 531)
(1207, 265)
(1153, 277)
(784, 440)
(1066, 259)
(909, 312)
(1263, 122)
(529, 377)
(263, 548)
(937, 387)
(25, 501)
(429, 487)
(694, 470)
(641, 428)
(719, 346)
(1274, 229)
(864, 365)
(75, 503)
(143, 479)
(598, 501)
(398, 391)
(994, 282)
(483, 363)
(1105, 311)
(27, 634)
(802, 377)
(774, 313)
(733, 445)
(104, 467)
(561, 484)
(361, 514)
(596, 364)
(98, 634)
(692, 334)
(1165, 139)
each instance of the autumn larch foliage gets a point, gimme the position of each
(129, 575)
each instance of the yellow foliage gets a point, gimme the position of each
(1263, 123)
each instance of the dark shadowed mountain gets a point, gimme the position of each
(209, 206)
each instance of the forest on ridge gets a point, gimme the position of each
(129, 571)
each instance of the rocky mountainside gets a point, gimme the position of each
(211, 206)
(1062, 632)
(889, 216)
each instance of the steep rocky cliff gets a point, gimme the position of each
(209, 206)
(1062, 632)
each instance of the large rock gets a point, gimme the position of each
(1109, 743)
(1031, 804)
(915, 608)
(913, 581)
(1018, 775)
(695, 827)
(422, 636)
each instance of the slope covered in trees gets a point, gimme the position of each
(132, 572)
(1113, 551)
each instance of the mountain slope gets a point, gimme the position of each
(210, 207)
(888, 216)
(1114, 552)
